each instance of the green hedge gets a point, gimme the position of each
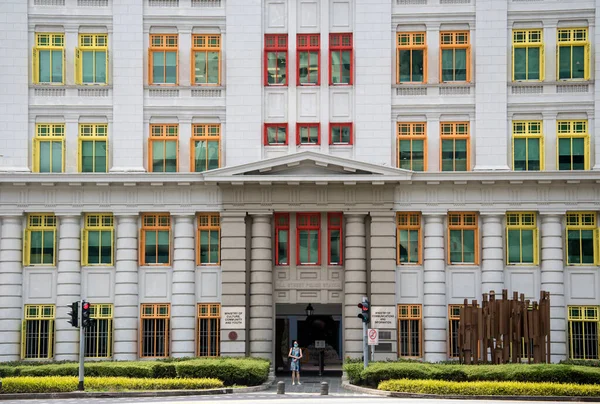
(557, 373)
(489, 388)
(64, 384)
(594, 363)
(232, 371)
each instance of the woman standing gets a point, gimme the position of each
(296, 355)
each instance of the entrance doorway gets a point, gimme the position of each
(323, 327)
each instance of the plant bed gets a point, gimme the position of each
(445, 388)
(65, 384)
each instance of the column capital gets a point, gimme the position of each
(181, 215)
(261, 214)
(438, 213)
(11, 218)
(491, 216)
(554, 213)
(68, 216)
(382, 216)
(355, 217)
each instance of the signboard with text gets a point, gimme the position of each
(373, 336)
(383, 317)
(233, 318)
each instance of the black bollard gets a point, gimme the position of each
(280, 387)
(324, 388)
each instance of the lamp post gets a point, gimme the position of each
(309, 310)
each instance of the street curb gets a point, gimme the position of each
(123, 394)
(375, 392)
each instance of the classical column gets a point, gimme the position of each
(492, 253)
(11, 287)
(233, 272)
(183, 301)
(434, 289)
(355, 283)
(68, 289)
(126, 315)
(261, 288)
(552, 280)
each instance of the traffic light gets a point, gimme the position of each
(74, 314)
(365, 313)
(85, 314)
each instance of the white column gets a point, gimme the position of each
(434, 289)
(185, 42)
(11, 287)
(14, 86)
(183, 301)
(492, 253)
(355, 282)
(549, 125)
(433, 142)
(71, 143)
(433, 59)
(68, 289)
(128, 50)
(126, 313)
(553, 281)
(261, 288)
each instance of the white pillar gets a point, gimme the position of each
(492, 253)
(434, 289)
(68, 289)
(355, 282)
(261, 288)
(11, 287)
(552, 280)
(126, 313)
(183, 302)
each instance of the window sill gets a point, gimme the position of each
(146, 266)
(40, 267)
(92, 267)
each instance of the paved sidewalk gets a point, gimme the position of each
(311, 384)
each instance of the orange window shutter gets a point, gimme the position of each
(141, 248)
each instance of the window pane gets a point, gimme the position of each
(414, 246)
(48, 257)
(520, 55)
(578, 154)
(346, 63)
(282, 247)
(281, 64)
(100, 159)
(213, 155)
(564, 154)
(303, 68)
(447, 155)
(150, 247)
(200, 67)
(469, 246)
(460, 155)
(214, 247)
(335, 67)
(405, 154)
(213, 67)
(534, 154)
(171, 156)
(314, 246)
(106, 247)
(404, 56)
(418, 155)
(158, 67)
(313, 75)
(303, 246)
(564, 62)
(456, 246)
(57, 70)
(271, 67)
(100, 67)
(527, 240)
(520, 150)
(587, 246)
(45, 158)
(578, 62)
(200, 156)
(163, 247)
(334, 247)
(87, 63)
(403, 246)
(158, 156)
(44, 66)
(447, 65)
(93, 238)
(35, 248)
(87, 156)
(204, 246)
(514, 246)
(460, 64)
(533, 71)
(57, 148)
(417, 65)
(171, 67)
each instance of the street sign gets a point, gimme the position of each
(373, 336)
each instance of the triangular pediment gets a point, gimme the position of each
(307, 166)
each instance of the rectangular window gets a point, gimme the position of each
(528, 55)
(308, 237)
(99, 337)
(411, 54)
(276, 134)
(582, 238)
(334, 238)
(453, 327)
(91, 59)
(463, 238)
(341, 67)
(573, 54)
(206, 147)
(155, 239)
(408, 237)
(163, 59)
(456, 56)
(521, 239)
(340, 134)
(409, 330)
(573, 145)
(93, 151)
(583, 332)
(276, 64)
(528, 150)
(97, 239)
(49, 59)
(308, 134)
(49, 148)
(39, 242)
(37, 336)
(412, 146)
(282, 238)
(163, 148)
(209, 328)
(206, 56)
(309, 59)
(155, 330)
(209, 239)
(456, 147)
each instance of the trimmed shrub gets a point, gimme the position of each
(582, 362)
(489, 388)
(354, 370)
(61, 384)
(232, 371)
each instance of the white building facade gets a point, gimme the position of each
(203, 170)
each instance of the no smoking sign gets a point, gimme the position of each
(373, 336)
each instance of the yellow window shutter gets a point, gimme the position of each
(542, 63)
(542, 154)
(112, 247)
(587, 61)
(536, 243)
(141, 248)
(83, 257)
(36, 156)
(597, 246)
(23, 332)
(63, 65)
(107, 66)
(586, 158)
(55, 250)
(25, 248)
(35, 66)
(64, 151)
(78, 66)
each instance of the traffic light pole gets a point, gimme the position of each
(365, 340)
(81, 346)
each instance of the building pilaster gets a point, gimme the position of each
(11, 289)
(552, 280)
(492, 253)
(68, 289)
(127, 311)
(434, 289)
(355, 282)
(183, 301)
